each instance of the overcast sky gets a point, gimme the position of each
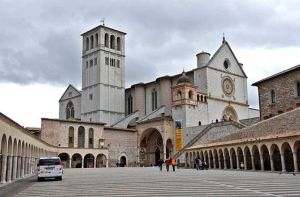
(40, 43)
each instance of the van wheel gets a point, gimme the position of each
(59, 178)
(39, 179)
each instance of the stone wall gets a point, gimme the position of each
(285, 90)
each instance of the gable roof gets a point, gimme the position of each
(69, 87)
(278, 74)
(225, 43)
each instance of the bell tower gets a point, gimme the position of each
(103, 75)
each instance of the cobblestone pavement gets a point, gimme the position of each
(152, 182)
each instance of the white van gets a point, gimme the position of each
(49, 167)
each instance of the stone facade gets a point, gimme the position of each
(286, 95)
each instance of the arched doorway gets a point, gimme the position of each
(240, 156)
(123, 161)
(297, 152)
(65, 159)
(216, 158)
(255, 153)
(227, 158)
(89, 161)
(221, 156)
(276, 159)
(76, 161)
(248, 158)
(151, 147)
(266, 157)
(101, 161)
(288, 157)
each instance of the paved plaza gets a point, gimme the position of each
(151, 182)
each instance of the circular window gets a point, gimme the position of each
(226, 64)
(228, 86)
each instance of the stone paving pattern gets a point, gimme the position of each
(151, 182)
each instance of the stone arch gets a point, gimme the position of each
(3, 158)
(248, 160)
(215, 152)
(227, 158)
(265, 155)
(76, 161)
(65, 159)
(123, 159)
(297, 152)
(276, 159)
(256, 158)
(89, 160)
(221, 156)
(151, 147)
(229, 113)
(286, 150)
(101, 161)
(169, 148)
(233, 158)
(240, 156)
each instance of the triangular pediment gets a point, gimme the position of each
(70, 92)
(225, 53)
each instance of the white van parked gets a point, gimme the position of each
(49, 167)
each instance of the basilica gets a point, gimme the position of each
(199, 113)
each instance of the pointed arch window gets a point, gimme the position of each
(154, 99)
(298, 88)
(96, 38)
(81, 134)
(179, 95)
(106, 40)
(87, 44)
(92, 41)
(70, 110)
(118, 44)
(190, 94)
(71, 137)
(272, 96)
(112, 42)
(91, 138)
(129, 104)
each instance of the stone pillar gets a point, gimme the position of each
(3, 170)
(230, 159)
(272, 163)
(262, 166)
(252, 161)
(165, 151)
(214, 160)
(70, 163)
(282, 162)
(19, 167)
(237, 162)
(9, 168)
(15, 167)
(95, 162)
(106, 163)
(245, 162)
(22, 167)
(225, 163)
(219, 158)
(82, 163)
(296, 167)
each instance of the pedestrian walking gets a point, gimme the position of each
(167, 164)
(173, 162)
(160, 164)
(197, 160)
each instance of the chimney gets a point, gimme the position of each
(202, 59)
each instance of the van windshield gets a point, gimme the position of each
(49, 162)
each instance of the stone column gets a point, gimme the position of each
(70, 163)
(22, 167)
(225, 163)
(3, 170)
(237, 162)
(82, 163)
(272, 163)
(9, 168)
(296, 167)
(252, 161)
(282, 162)
(165, 151)
(262, 166)
(19, 167)
(15, 167)
(230, 159)
(95, 162)
(106, 163)
(219, 158)
(214, 160)
(245, 162)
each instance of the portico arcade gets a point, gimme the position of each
(271, 153)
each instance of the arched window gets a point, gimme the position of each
(190, 94)
(87, 44)
(298, 89)
(179, 95)
(154, 99)
(118, 43)
(70, 110)
(198, 97)
(112, 42)
(81, 138)
(96, 38)
(129, 104)
(71, 137)
(91, 138)
(92, 41)
(272, 96)
(106, 40)
(201, 98)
